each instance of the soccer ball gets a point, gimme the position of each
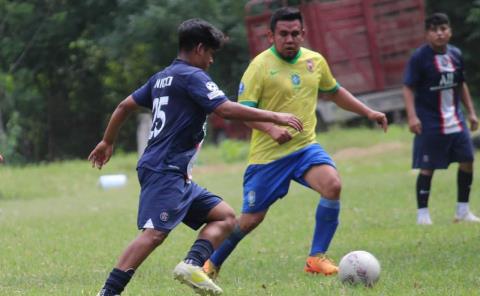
(359, 267)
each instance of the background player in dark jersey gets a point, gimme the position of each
(434, 85)
(180, 97)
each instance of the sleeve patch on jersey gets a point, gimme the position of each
(214, 94)
(211, 86)
(214, 90)
(241, 88)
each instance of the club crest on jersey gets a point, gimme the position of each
(214, 90)
(310, 65)
(295, 79)
(164, 216)
(251, 199)
(241, 88)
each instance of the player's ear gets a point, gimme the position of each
(270, 36)
(199, 48)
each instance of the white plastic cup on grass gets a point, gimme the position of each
(112, 181)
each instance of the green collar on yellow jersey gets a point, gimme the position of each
(290, 61)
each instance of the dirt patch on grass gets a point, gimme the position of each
(355, 152)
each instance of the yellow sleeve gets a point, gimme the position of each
(327, 81)
(251, 85)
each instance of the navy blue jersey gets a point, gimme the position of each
(437, 80)
(180, 98)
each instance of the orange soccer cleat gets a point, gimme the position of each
(320, 264)
(211, 270)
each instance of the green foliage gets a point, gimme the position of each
(233, 150)
(65, 65)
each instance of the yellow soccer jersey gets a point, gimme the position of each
(272, 83)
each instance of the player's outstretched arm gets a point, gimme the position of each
(345, 100)
(231, 110)
(103, 151)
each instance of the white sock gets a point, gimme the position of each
(462, 208)
(423, 212)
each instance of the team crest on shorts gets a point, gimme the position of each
(164, 216)
(425, 158)
(251, 199)
(310, 65)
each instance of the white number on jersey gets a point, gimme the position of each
(158, 121)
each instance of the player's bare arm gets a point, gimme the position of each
(414, 123)
(103, 151)
(279, 134)
(468, 103)
(231, 110)
(345, 100)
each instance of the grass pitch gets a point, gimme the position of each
(61, 234)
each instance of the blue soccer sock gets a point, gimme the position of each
(326, 225)
(226, 248)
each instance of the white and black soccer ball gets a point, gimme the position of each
(359, 267)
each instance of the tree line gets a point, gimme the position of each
(65, 64)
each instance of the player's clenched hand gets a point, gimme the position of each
(473, 122)
(290, 120)
(380, 118)
(415, 125)
(101, 154)
(279, 134)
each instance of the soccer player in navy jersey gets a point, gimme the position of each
(180, 97)
(434, 86)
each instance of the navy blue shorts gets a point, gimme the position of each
(263, 184)
(166, 199)
(438, 151)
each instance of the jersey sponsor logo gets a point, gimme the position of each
(164, 82)
(251, 199)
(241, 88)
(295, 79)
(447, 80)
(214, 90)
(310, 65)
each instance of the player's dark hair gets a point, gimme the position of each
(436, 19)
(195, 31)
(285, 14)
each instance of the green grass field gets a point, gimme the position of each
(61, 234)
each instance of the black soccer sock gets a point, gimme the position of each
(117, 280)
(423, 190)
(464, 181)
(199, 252)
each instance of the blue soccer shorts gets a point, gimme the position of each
(435, 151)
(166, 199)
(263, 184)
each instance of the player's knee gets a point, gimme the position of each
(155, 237)
(230, 221)
(333, 189)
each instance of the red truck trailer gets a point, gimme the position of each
(366, 43)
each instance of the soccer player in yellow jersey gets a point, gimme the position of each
(287, 78)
